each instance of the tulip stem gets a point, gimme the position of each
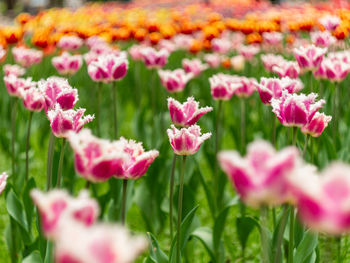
(27, 145)
(274, 131)
(335, 106)
(339, 257)
(13, 135)
(263, 234)
(281, 229)
(310, 81)
(114, 94)
(60, 164)
(217, 147)
(294, 138)
(171, 196)
(179, 209)
(50, 153)
(98, 110)
(307, 137)
(242, 125)
(291, 236)
(125, 188)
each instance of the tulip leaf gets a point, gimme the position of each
(205, 236)
(15, 209)
(244, 227)
(156, 254)
(28, 202)
(34, 257)
(306, 247)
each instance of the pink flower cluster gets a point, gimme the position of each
(310, 57)
(27, 57)
(154, 58)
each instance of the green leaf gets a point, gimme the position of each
(15, 209)
(34, 257)
(244, 227)
(185, 234)
(28, 202)
(156, 254)
(306, 247)
(205, 236)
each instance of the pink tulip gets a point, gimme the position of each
(296, 110)
(70, 43)
(67, 64)
(14, 85)
(222, 87)
(336, 70)
(183, 41)
(100, 243)
(272, 88)
(3, 181)
(322, 39)
(309, 58)
(271, 60)
(213, 60)
(287, 69)
(343, 55)
(57, 206)
(221, 45)
(58, 90)
(238, 62)
(186, 114)
(260, 178)
(168, 45)
(94, 41)
(174, 81)
(14, 70)
(186, 141)
(33, 99)
(248, 52)
(96, 159)
(245, 86)
(153, 58)
(27, 57)
(272, 38)
(63, 121)
(135, 52)
(108, 68)
(330, 22)
(316, 126)
(2, 53)
(194, 66)
(322, 200)
(320, 73)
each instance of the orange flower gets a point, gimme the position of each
(23, 18)
(210, 32)
(341, 32)
(195, 46)
(254, 38)
(226, 63)
(155, 37)
(12, 34)
(41, 38)
(140, 34)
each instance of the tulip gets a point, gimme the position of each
(108, 68)
(221, 46)
(57, 206)
(245, 88)
(272, 38)
(194, 66)
(15, 85)
(135, 52)
(67, 64)
(222, 87)
(174, 81)
(271, 60)
(27, 57)
(309, 58)
(316, 125)
(213, 60)
(260, 178)
(33, 99)
(296, 110)
(336, 70)
(62, 121)
(248, 52)
(14, 70)
(94, 41)
(238, 62)
(320, 73)
(153, 58)
(186, 141)
(58, 90)
(70, 43)
(2, 53)
(286, 69)
(272, 88)
(3, 181)
(186, 114)
(322, 199)
(330, 22)
(322, 39)
(100, 243)
(167, 45)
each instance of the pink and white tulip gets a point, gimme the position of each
(70, 43)
(222, 87)
(186, 141)
(271, 60)
(245, 86)
(296, 110)
(15, 85)
(248, 52)
(16, 70)
(174, 81)
(153, 58)
(3, 181)
(330, 22)
(27, 57)
(221, 45)
(285, 68)
(63, 121)
(194, 66)
(212, 59)
(310, 57)
(57, 206)
(67, 64)
(322, 39)
(260, 178)
(316, 125)
(186, 114)
(272, 38)
(33, 99)
(336, 70)
(2, 53)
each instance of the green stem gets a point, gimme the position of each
(294, 138)
(172, 177)
(280, 234)
(27, 145)
(339, 256)
(179, 210)
(291, 236)
(125, 188)
(264, 235)
(307, 137)
(242, 125)
(217, 147)
(50, 153)
(60, 163)
(98, 110)
(13, 135)
(310, 81)
(114, 94)
(335, 113)
(274, 130)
